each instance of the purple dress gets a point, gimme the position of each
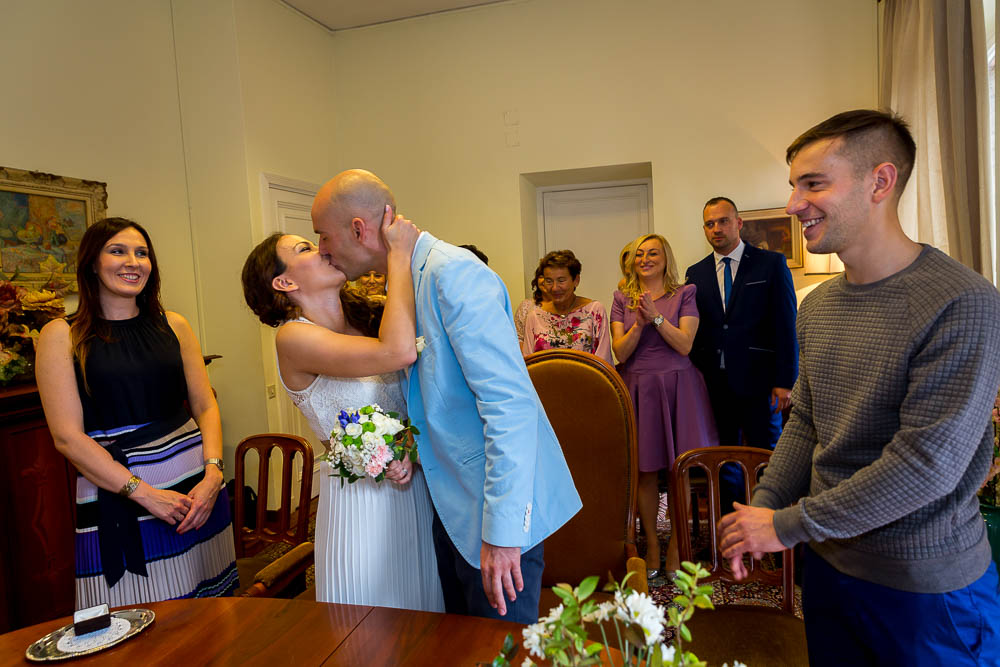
(672, 410)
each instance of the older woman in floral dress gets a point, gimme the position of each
(566, 320)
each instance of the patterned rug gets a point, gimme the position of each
(661, 589)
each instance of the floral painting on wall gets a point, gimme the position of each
(42, 219)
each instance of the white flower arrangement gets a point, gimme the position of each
(560, 637)
(421, 344)
(364, 442)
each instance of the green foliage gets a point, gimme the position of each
(692, 596)
(15, 366)
(562, 635)
(507, 654)
(989, 493)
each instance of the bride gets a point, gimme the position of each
(338, 351)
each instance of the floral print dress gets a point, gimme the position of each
(585, 328)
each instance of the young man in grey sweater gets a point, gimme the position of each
(889, 436)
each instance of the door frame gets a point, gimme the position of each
(277, 419)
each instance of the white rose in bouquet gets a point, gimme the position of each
(393, 426)
(358, 462)
(381, 422)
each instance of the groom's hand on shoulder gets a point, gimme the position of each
(501, 570)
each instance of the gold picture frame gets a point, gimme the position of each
(773, 229)
(42, 219)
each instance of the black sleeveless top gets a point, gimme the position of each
(135, 378)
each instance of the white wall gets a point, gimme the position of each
(286, 82)
(179, 105)
(709, 92)
(215, 150)
(254, 99)
(90, 91)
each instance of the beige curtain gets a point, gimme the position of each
(933, 72)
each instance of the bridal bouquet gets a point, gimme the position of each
(364, 442)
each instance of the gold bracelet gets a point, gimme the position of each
(130, 486)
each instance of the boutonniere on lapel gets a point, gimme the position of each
(421, 344)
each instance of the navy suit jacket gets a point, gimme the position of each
(757, 333)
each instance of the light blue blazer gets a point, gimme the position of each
(493, 465)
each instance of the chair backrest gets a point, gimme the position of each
(590, 410)
(710, 460)
(252, 540)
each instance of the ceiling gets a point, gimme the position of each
(344, 14)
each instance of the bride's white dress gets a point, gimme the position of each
(373, 540)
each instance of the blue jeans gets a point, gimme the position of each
(854, 622)
(462, 584)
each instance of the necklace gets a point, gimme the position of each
(572, 307)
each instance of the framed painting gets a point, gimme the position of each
(42, 219)
(773, 229)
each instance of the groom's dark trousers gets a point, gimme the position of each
(463, 584)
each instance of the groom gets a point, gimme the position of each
(497, 477)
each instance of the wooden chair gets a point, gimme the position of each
(591, 412)
(748, 633)
(250, 541)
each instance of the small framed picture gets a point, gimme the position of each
(773, 229)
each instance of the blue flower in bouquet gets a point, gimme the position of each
(346, 418)
(365, 441)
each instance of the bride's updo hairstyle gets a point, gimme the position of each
(273, 307)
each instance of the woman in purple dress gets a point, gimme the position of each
(653, 323)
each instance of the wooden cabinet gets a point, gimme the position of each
(37, 489)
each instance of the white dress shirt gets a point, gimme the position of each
(736, 255)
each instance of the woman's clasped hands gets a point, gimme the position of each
(646, 312)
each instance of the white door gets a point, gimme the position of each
(595, 223)
(286, 208)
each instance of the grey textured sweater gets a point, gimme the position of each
(889, 436)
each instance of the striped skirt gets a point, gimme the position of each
(147, 560)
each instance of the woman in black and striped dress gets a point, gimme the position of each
(152, 514)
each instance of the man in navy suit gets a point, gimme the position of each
(745, 345)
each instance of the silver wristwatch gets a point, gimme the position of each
(657, 321)
(217, 463)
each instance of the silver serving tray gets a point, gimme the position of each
(46, 649)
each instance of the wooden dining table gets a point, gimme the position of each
(269, 631)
